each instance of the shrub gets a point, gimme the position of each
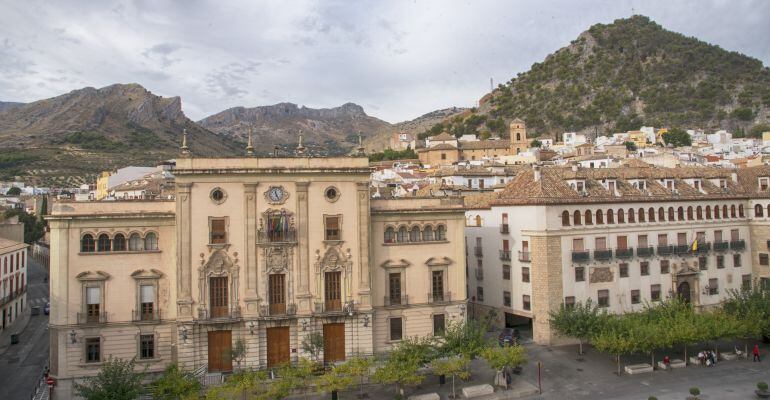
(694, 391)
(762, 386)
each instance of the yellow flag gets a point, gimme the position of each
(695, 245)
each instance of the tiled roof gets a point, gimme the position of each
(485, 144)
(441, 146)
(7, 246)
(479, 200)
(749, 179)
(442, 137)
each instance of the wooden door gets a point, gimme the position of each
(220, 345)
(332, 291)
(334, 342)
(277, 346)
(394, 288)
(218, 296)
(277, 294)
(437, 285)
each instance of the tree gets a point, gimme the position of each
(463, 338)
(238, 351)
(116, 380)
(506, 356)
(313, 344)
(536, 143)
(630, 146)
(580, 321)
(176, 384)
(14, 191)
(454, 367)
(677, 137)
(358, 368)
(402, 365)
(334, 380)
(34, 229)
(389, 154)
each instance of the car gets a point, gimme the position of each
(47, 308)
(508, 337)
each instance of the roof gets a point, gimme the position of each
(7, 246)
(442, 137)
(484, 144)
(441, 146)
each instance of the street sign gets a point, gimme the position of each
(49, 381)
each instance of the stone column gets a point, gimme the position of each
(547, 290)
(303, 253)
(252, 294)
(364, 287)
(184, 257)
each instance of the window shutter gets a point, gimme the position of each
(147, 293)
(93, 295)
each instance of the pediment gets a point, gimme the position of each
(219, 262)
(93, 276)
(438, 261)
(395, 264)
(147, 274)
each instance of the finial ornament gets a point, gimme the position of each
(300, 147)
(360, 149)
(185, 150)
(249, 146)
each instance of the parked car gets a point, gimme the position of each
(47, 308)
(508, 337)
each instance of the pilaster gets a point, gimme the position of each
(364, 286)
(184, 262)
(252, 295)
(303, 253)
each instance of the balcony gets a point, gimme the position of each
(12, 295)
(721, 246)
(682, 249)
(91, 318)
(396, 301)
(328, 306)
(504, 228)
(645, 251)
(627, 252)
(439, 297)
(478, 251)
(505, 255)
(146, 316)
(277, 310)
(738, 245)
(580, 256)
(216, 314)
(703, 248)
(665, 250)
(280, 237)
(479, 274)
(602, 255)
(524, 256)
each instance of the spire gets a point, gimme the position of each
(300, 147)
(249, 146)
(184, 149)
(360, 149)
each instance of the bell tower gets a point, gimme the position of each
(518, 130)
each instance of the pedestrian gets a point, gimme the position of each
(666, 362)
(756, 353)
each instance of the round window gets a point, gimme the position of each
(218, 195)
(332, 193)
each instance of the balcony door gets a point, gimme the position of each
(277, 293)
(218, 296)
(394, 288)
(333, 291)
(437, 285)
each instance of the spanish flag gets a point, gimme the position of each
(695, 245)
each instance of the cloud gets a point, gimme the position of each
(161, 52)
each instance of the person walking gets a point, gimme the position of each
(756, 353)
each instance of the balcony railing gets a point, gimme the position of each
(478, 251)
(439, 297)
(627, 252)
(721, 246)
(580, 255)
(151, 316)
(396, 301)
(524, 256)
(682, 249)
(703, 248)
(12, 295)
(665, 250)
(602, 255)
(479, 274)
(739, 244)
(645, 251)
(328, 306)
(504, 228)
(277, 310)
(505, 255)
(219, 313)
(283, 236)
(89, 318)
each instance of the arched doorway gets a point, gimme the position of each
(683, 291)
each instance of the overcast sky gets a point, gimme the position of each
(398, 59)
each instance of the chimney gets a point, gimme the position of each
(575, 167)
(536, 170)
(734, 176)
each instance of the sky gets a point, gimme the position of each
(397, 59)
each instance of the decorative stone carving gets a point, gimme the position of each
(277, 259)
(601, 274)
(276, 195)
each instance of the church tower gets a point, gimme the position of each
(518, 130)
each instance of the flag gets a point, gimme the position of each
(695, 245)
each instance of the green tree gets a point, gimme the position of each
(238, 351)
(506, 356)
(402, 365)
(335, 379)
(116, 380)
(34, 228)
(756, 131)
(313, 344)
(536, 143)
(463, 338)
(176, 384)
(388, 155)
(14, 191)
(677, 137)
(358, 368)
(630, 146)
(580, 321)
(456, 367)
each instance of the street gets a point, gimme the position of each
(22, 364)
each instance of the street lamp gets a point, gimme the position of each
(73, 337)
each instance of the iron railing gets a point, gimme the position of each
(439, 297)
(395, 301)
(581, 255)
(146, 316)
(645, 251)
(739, 244)
(505, 255)
(91, 318)
(602, 255)
(627, 252)
(524, 256)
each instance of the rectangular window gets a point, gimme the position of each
(622, 242)
(580, 274)
(147, 299)
(147, 346)
(332, 227)
(664, 266)
(681, 238)
(655, 292)
(93, 350)
(736, 260)
(604, 298)
(623, 269)
(717, 236)
(644, 268)
(713, 286)
(577, 245)
(569, 301)
(506, 299)
(720, 262)
(702, 263)
(763, 259)
(636, 297)
(505, 217)
(526, 302)
(218, 233)
(525, 274)
(396, 329)
(734, 235)
(439, 324)
(93, 303)
(700, 237)
(507, 272)
(480, 293)
(746, 282)
(394, 288)
(505, 245)
(601, 243)
(663, 240)
(437, 285)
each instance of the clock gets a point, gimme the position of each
(276, 195)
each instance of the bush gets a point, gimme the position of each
(694, 391)
(762, 386)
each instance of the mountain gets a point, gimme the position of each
(380, 142)
(88, 130)
(324, 131)
(6, 105)
(632, 72)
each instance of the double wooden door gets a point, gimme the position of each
(333, 291)
(277, 294)
(220, 351)
(334, 342)
(278, 351)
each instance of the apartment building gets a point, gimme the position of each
(622, 237)
(253, 253)
(13, 275)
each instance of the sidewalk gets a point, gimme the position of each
(19, 325)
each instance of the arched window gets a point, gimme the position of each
(732, 211)
(610, 216)
(741, 213)
(680, 214)
(631, 216)
(758, 211)
(599, 217)
(708, 212)
(119, 242)
(87, 244)
(576, 218)
(621, 216)
(565, 218)
(651, 215)
(103, 243)
(661, 215)
(427, 234)
(402, 235)
(671, 214)
(151, 241)
(134, 242)
(724, 211)
(414, 234)
(589, 218)
(441, 232)
(689, 213)
(640, 215)
(699, 213)
(768, 210)
(390, 235)
(478, 220)
(518, 136)
(716, 212)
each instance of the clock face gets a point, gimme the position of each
(275, 193)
